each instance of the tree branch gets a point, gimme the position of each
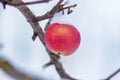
(13, 72)
(58, 8)
(31, 18)
(113, 74)
(33, 21)
(5, 2)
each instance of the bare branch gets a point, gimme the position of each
(13, 72)
(33, 21)
(31, 18)
(113, 74)
(59, 68)
(30, 3)
(34, 36)
(56, 9)
(68, 7)
(5, 2)
(48, 23)
(48, 64)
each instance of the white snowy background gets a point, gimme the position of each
(97, 57)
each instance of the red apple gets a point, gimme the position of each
(62, 38)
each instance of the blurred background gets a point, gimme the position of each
(97, 57)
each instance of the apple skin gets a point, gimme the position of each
(62, 38)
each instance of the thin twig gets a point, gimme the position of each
(5, 2)
(67, 7)
(55, 10)
(113, 74)
(30, 3)
(15, 73)
(51, 13)
(48, 64)
(47, 24)
(59, 68)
